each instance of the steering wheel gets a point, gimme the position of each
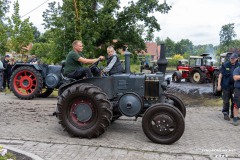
(95, 64)
(95, 69)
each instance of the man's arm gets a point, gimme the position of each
(236, 77)
(219, 79)
(110, 65)
(89, 61)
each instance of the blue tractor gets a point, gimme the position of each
(86, 107)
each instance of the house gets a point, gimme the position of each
(153, 49)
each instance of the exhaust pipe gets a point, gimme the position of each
(127, 61)
(162, 61)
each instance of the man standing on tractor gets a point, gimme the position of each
(226, 84)
(75, 60)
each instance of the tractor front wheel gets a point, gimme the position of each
(163, 123)
(26, 82)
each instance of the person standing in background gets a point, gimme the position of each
(10, 65)
(1, 75)
(5, 75)
(226, 84)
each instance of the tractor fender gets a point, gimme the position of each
(35, 66)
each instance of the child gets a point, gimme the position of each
(113, 63)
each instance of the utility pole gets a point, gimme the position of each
(78, 20)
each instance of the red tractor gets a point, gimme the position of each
(198, 69)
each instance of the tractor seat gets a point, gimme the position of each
(62, 71)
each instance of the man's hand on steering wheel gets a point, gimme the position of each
(101, 58)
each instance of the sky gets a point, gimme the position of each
(200, 21)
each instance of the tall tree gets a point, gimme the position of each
(184, 46)
(21, 32)
(227, 34)
(4, 8)
(170, 47)
(98, 22)
(158, 41)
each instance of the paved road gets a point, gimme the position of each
(29, 126)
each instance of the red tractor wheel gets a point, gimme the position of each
(26, 82)
(197, 76)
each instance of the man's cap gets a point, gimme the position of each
(234, 56)
(7, 55)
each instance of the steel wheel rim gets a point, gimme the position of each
(163, 124)
(82, 112)
(25, 82)
(196, 77)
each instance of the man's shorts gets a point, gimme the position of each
(237, 97)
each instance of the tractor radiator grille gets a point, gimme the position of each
(151, 88)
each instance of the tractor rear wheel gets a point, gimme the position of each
(197, 76)
(84, 111)
(26, 82)
(163, 123)
(177, 103)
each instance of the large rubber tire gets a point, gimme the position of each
(175, 78)
(26, 82)
(197, 76)
(215, 84)
(84, 111)
(163, 123)
(177, 103)
(45, 92)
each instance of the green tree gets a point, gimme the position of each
(36, 34)
(158, 41)
(174, 60)
(45, 48)
(227, 34)
(170, 47)
(4, 8)
(98, 22)
(21, 32)
(185, 45)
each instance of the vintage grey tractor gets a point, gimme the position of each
(86, 107)
(31, 80)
